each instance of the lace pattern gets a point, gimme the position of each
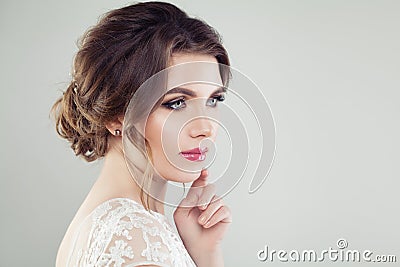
(120, 232)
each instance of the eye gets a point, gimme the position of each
(175, 104)
(212, 102)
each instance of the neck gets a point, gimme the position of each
(116, 179)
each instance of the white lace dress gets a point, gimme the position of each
(121, 232)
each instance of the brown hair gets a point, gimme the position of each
(125, 48)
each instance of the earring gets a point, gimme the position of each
(117, 132)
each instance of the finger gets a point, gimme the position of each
(206, 196)
(223, 214)
(210, 210)
(204, 174)
(197, 187)
(202, 179)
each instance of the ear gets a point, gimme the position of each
(115, 125)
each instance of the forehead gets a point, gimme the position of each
(179, 58)
(197, 90)
(197, 72)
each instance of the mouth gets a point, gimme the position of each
(195, 154)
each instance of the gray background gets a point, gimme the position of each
(330, 71)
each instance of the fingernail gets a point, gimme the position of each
(207, 224)
(202, 219)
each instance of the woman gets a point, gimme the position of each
(120, 223)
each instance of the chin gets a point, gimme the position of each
(181, 176)
(189, 177)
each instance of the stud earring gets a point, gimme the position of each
(117, 132)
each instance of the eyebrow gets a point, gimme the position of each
(185, 91)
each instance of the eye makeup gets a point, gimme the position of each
(179, 103)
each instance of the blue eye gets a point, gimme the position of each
(180, 103)
(176, 104)
(214, 100)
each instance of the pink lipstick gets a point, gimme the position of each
(195, 154)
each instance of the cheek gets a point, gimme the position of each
(165, 130)
(165, 141)
(161, 138)
(164, 148)
(153, 131)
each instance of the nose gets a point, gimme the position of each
(201, 127)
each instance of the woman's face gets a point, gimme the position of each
(179, 132)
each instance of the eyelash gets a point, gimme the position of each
(169, 105)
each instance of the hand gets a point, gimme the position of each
(202, 220)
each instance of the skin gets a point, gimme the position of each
(201, 218)
(192, 101)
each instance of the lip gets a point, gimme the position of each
(195, 151)
(195, 154)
